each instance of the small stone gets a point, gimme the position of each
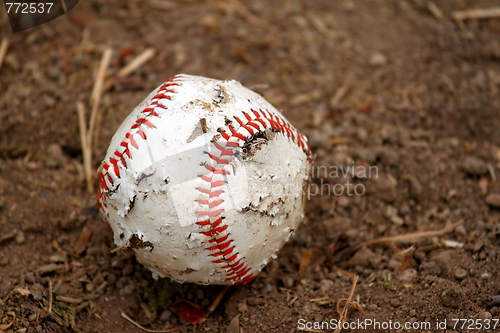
(111, 279)
(378, 59)
(287, 282)
(31, 166)
(4, 260)
(89, 287)
(343, 201)
(460, 231)
(493, 199)
(29, 277)
(255, 301)
(397, 220)
(127, 290)
(372, 307)
(474, 166)
(20, 238)
(485, 315)
(266, 288)
(242, 306)
(408, 275)
(394, 302)
(325, 286)
(460, 273)
(394, 264)
(412, 313)
(22, 330)
(37, 291)
(165, 315)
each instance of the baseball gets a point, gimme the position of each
(204, 181)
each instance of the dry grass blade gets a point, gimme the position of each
(124, 315)
(49, 308)
(129, 68)
(3, 50)
(218, 299)
(435, 10)
(342, 91)
(6, 326)
(343, 314)
(408, 237)
(95, 98)
(86, 152)
(475, 14)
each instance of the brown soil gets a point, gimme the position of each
(381, 83)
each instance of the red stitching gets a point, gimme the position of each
(105, 180)
(255, 120)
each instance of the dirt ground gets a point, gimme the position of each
(396, 85)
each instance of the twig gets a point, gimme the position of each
(124, 315)
(218, 299)
(407, 237)
(3, 49)
(87, 162)
(342, 91)
(6, 326)
(347, 305)
(435, 10)
(49, 309)
(95, 98)
(137, 62)
(475, 14)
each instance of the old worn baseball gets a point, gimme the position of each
(204, 181)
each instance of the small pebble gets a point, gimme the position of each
(127, 290)
(372, 307)
(485, 315)
(111, 279)
(22, 330)
(326, 286)
(4, 261)
(37, 291)
(266, 288)
(460, 231)
(165, 315)
(412, 313)
(343, 201)
(460, 273)
(287, 282)
(89, 287)
(493, 199)
(29, 277)
(397, 220)
(378, 59)
(242, 307)
(20, 238)
(474, 166)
